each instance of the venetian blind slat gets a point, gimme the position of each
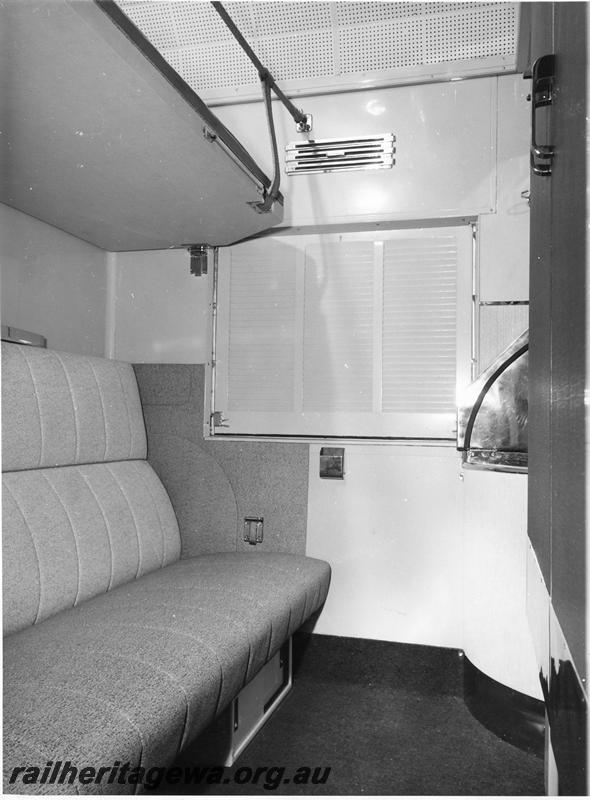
(338, 327)
(262, 330)
(419, 325)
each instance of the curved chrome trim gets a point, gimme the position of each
(475, 392)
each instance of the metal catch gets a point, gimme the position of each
(543, 74)
(253, 529)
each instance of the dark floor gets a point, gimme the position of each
(372, 718)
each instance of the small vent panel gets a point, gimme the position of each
(340, 155)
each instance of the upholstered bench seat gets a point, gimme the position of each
(116, 650)
(138, 672)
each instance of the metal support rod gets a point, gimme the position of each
(213, 372)
(263, 73)
(273, 192)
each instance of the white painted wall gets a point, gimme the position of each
(52, 283)
(496, 634)
(426, 553)
(392, 533)
(445, 160)
(160, 312)
(504, 236)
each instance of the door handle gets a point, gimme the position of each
(543, 74)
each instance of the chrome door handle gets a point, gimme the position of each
(541, 95)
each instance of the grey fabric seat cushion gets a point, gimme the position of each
(136, 673)
(70, 533)
(60, 409)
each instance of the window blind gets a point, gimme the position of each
(351, 335)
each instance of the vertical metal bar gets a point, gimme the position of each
(110, 343)
(214, 338)
(475, 303)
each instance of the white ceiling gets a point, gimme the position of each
(314, 47)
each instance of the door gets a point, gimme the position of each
(558, 380)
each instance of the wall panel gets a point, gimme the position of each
(52, 284)
(445, 160)
(160, 311)
(496, 632)
(393, 535)
(214, 485)
(504, 236)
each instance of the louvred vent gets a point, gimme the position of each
(339, 155)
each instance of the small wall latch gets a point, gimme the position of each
(332, 462)
(199, 254)
(218, 420)
(253, 529)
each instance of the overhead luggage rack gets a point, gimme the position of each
(101, 138)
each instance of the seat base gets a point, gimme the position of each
(229, 735)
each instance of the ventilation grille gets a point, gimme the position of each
(312, 46)
(341, 155)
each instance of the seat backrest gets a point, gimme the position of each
(82, 510)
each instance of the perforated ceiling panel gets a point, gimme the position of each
(313, 46)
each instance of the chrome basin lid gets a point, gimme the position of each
(493, 414)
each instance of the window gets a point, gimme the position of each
(344, 335)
